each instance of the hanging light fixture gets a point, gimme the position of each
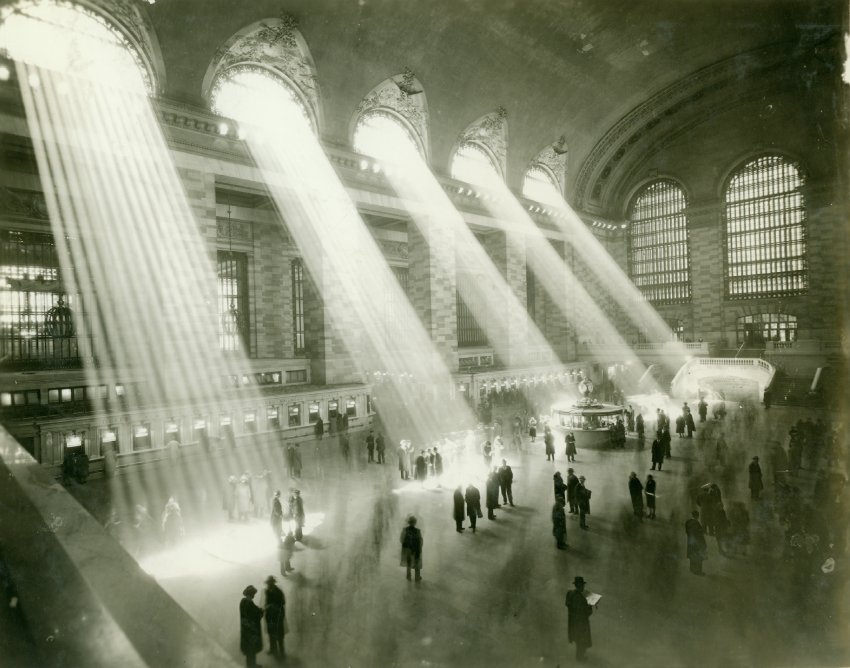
(59, 321)
(230, 318)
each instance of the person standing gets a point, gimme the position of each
(402, 462)
(296, 461)
(492, 490)
(319, 428)
(421, 470)
(506, 481)
(578, 619)
(636, 492)
(639, 426)
(458, 511)
(696, 543)
(583, 502)
(172, 522)
(473, 504)
(657, 452)
(487, 451)
(345, 445)
(275, 611)
(380, 447)
(549, 443)
(689, 422)
(532, 429)
(370, 447)
(285, 550)
(649, 490)
(559, 524)
(296, 512)
(702, 409)
(411, 548)
(756, 484)
(665, 441)
(558, 484)
(570, 440)
(438, 463)
(277, 515)
(251, 633)
(572, 483)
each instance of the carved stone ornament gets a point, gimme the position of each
(404, 95)
(554, 158)
(491, 131)
(275, 45)
(233, 229)
(24, 203)
(393, 249)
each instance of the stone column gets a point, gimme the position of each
(708, 287)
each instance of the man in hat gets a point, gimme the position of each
(506, 481)
(578, 619)
(559, 523)
(277, 515)
(473, 504)
(572, 483)
(275, 610)
(296, 512)
(411, 548)
(636, 492)
(251, 633)
(756, 484)
(583, 502)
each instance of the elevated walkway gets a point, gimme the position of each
(730, 378)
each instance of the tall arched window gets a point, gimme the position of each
(473, 164)
(381, 134)
(68, 38)
(765, 233)
(540, 185)
(659, 260)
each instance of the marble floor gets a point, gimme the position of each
(496, 597)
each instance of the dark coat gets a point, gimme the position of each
(277, 515)
(578, 619)
(657, 451)
(492, 491)
(296, 509)
(251, 633)
(473, 501)
(572, 483)
(559, 522)
(639, 424)
(560, 488)
(649, 488)
(438, 463)
(583, 498)
(421, 468)
(411, 546)
(458, 511)
(506, 476)
(755, 477)
(379, 443)
(696, 539)
(275, 610)
(636, 492)
(570, 441)
(549, 441)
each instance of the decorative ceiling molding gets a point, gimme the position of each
(491, 132)
(404, 95)
(554, 158)
(643, 119)
(275, 45)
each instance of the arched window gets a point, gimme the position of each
(381, 134)
(765, 233)
(473, 164)
(755, 330)
(541, 186)
(67, 38)
(659, 261)
(255, 95)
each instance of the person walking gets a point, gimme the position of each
(559, 524)
(487, 451)
(506, 481)
(473, 504)
(296, 512)
(578, 619)
(583, 502)
(756, 484)
(380, 447)
(421, 469)
(649, 490)
(275, 611)
(636, 492)
(572, 483)
(458, 510)
(172, 522)
(492, 493)
(370, 447)
(570, 441)
(250, 629)
(558, 483)
(411, 548)
(696, 543)
(657, 452)
(276, 518)
(702, 409)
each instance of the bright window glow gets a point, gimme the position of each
(761, 327)
(659, 262)
(381, 135)
(765, 232)
(67, 38)
(472, 164)
(541, 187)
(257, 97)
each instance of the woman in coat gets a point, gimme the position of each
(251, 633)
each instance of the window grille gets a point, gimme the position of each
(232, 299)
(298, 306)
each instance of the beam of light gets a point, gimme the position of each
(127, 242)
(482, 286)
(344, 261)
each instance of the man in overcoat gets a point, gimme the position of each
(458, 511)
(411, 548)
(657, 452)
(275, 610)
(572, 483)
(559, 524)
(696, 543)
(578, 619)
(583, 502)
(636, 492)
(251, 632)
(506, 481)
(473, 504)
(492, 494)
(756, 484)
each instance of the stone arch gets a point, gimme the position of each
(401, 97)
(490, 134)
(275, 45)
(553, 161)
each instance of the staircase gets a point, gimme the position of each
(787, 390)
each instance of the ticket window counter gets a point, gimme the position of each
(294, 415)
(142, 436)
(225, 430)
(200, 433)
(351, 407)
(249, 422)
(109, 440)
(273, 417)
(171, 434)
(313, 412)
(334, 421)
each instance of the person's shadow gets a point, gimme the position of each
(313, 543)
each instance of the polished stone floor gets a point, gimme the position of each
(494, 598)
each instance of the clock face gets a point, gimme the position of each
(585, 387)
